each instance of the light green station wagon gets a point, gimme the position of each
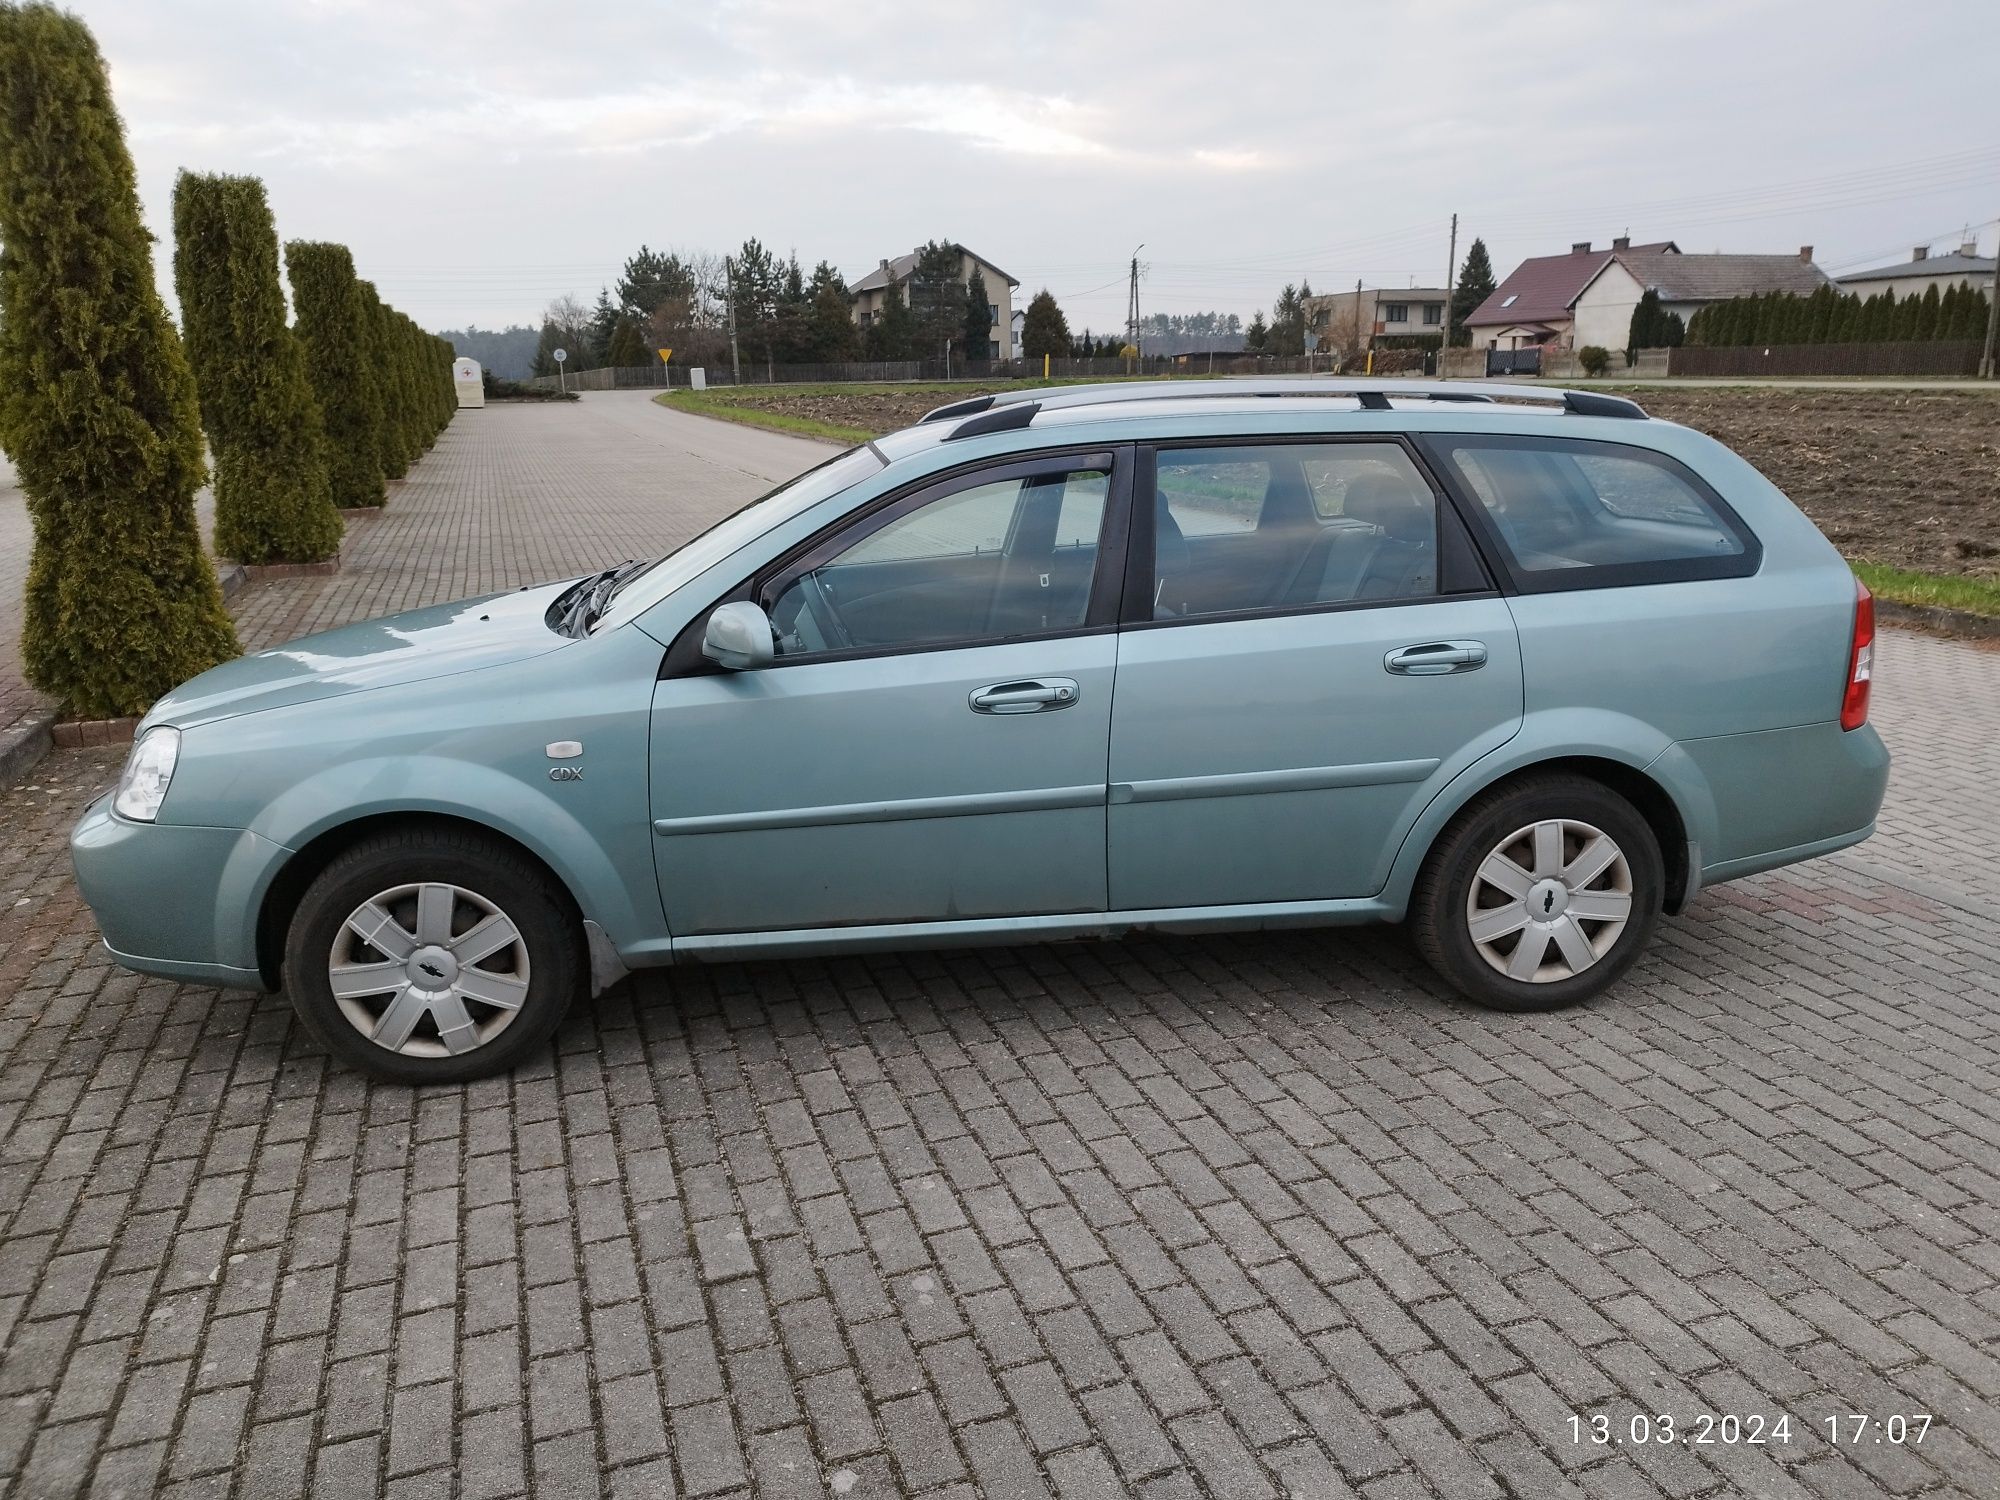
(1527, 672)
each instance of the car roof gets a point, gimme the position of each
(1039, 417)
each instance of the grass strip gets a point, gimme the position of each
(704, 404)
(1974, 596)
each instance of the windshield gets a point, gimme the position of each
(656, 580)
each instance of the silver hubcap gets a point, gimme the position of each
(1549, 901)
(429, 970)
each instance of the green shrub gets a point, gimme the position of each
(273, 497)
(97, 406)
(1595, 359)
(332, 325)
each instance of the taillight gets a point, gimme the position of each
(1860, 660)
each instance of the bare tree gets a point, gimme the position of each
(570, 319)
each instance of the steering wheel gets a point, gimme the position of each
(819, 604)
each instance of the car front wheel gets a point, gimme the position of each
(1539, 895)
(433, 955)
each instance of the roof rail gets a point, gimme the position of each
(1373, 394)
(969, 407)
(997, 419)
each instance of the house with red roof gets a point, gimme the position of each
(1586, 297)
(1535, 305)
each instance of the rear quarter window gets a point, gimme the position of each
(1570, 513)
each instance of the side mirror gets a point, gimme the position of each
(739, 637)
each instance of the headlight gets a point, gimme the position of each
(143, 787)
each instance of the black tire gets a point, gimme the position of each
(540, 911)
(1439, 922)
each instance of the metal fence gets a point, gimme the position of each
(1943, 357)
(1513, 361)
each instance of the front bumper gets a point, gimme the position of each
(175, 901)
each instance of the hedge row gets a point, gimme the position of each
(1831, 316)
(97, 403)
(384, 384)
(102, 404)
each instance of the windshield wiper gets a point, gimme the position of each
(591, 598)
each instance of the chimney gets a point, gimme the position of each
(1581, 247)
(1922, 252)
(1805, 254)
(1623, 242)
(1968, 247)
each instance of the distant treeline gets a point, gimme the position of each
(508, 352)
(1830, 316)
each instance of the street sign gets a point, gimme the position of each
(561, 355)
(665, 355)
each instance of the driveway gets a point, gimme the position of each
(1228, 1216)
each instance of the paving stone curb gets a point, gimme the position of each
(1937, 617)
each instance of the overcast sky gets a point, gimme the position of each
(483, 156)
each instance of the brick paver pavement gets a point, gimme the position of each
(1233, 1216)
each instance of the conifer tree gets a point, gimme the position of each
(833, 335)
(628, 347)
(1927, 314)
(1044, 330)
(1646, 326)
(603, 323)
(1475, 284)
(893, 334)
(332, 325)
(273, 497)
(97, 405)
(978, 320)
(381, 378)
(1972, 314)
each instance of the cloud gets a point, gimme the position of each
(483, 157)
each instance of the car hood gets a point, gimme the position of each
(410, 647)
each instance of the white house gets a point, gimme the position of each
(1338, 318)
(1923, 270)
(1601, 313)
(866, 296)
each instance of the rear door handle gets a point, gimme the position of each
(1037, 696)
(1435, 658)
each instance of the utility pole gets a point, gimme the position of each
(729, 293)
(1132, 302)
(1986, 371)
(1450, 271)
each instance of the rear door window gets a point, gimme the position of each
(1287, 526)
(1567, 513)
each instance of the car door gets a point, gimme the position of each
(929, 743)
(1315, 650)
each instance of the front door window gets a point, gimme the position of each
(989, 561)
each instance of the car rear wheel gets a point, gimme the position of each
(1539, 895)
(433, 955)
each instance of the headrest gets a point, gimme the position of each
(1391, 506)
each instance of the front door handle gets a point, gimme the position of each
(1435, 658)
(1038, 696)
